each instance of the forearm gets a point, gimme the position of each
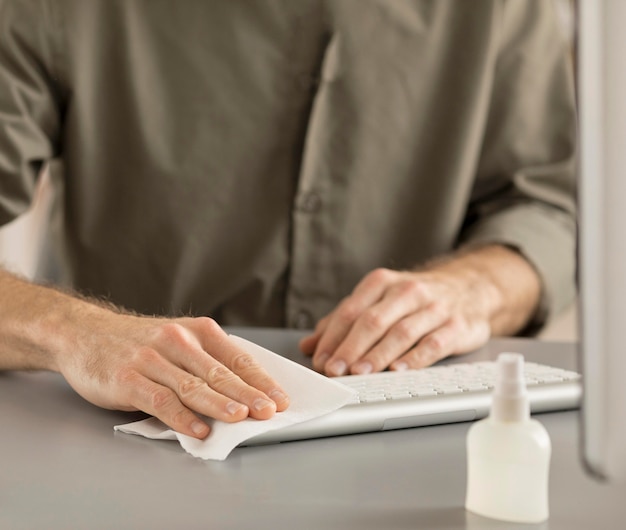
(34, 323)
(41, 328)
(502, 282)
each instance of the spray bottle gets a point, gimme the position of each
(508, 453)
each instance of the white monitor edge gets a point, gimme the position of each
(602, 237)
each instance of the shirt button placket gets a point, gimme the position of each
(309, 202)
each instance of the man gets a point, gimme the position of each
(399, 172)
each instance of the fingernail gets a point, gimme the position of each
(400, 367)
(234, 408)
(337, 368)
(260, 404)
(363, 368)
(199, 428)
(278, 396)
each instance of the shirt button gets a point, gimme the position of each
(310, 202)
(303, 320)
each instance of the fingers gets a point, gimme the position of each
(456, 336)
(173, 394)
(400, 299)
(308, 344)
(243, 379)
(224, 367)
(252, 379)
(378, 322)
(366, 294)
(192, 391)
(400, 338)
(161, 402)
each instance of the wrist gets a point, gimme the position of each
(519, 286)
(503, 286)
(477, 284)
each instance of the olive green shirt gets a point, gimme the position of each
(253, 160)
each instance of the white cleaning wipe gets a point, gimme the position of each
(311, 395)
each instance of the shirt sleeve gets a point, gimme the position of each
(29, 104)
(524, 195)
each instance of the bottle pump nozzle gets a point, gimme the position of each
(510, 398)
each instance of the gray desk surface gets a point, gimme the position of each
(62, 466)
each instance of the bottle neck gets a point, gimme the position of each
(510, 409)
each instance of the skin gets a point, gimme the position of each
(169, 368)
(412, 319)
(178, 369)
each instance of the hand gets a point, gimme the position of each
(169, 369)
(399, 320)
(402, 320)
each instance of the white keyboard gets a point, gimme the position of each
(446, 380)
(440, 394)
